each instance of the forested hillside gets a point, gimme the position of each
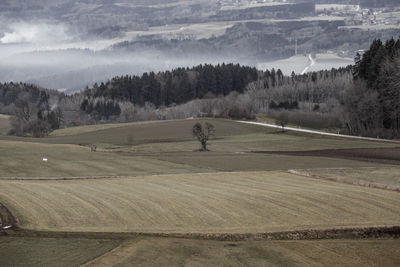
(363, 99)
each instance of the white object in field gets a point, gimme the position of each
(7, 227)
(45, 159)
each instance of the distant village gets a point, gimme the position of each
(354, 15)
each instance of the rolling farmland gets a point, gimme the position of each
(166, 148)
(148, 179)
(174, 252)
(247, 202)
(254, 253)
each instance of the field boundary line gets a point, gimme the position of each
(319, 132)
(305, 173)
(72, 178)
(338, 233)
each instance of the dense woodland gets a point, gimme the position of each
(177, 86)
(363, 99)
(374, 100)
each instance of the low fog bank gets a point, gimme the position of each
(35, 33)
(41, 35)
(70, 70)
(55, 57)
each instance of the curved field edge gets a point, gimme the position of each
(231, 203)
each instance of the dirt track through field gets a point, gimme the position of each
(348, 233)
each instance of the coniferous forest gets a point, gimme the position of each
(374, 100)
(177, 86)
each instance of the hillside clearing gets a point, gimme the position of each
(203, 203)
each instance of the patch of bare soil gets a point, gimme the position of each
(381, 155)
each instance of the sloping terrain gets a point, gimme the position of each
(243, 202)
(194, 197)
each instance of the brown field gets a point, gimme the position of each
(240, 188)
(168, 147)
(383, 155)
(258, 162)
(24, 159)
(204, 203)
(388, 177)
(178, 252)
(20, 251)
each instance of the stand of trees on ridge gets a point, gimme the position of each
(175, 87)
(33, 113)
(363, 99)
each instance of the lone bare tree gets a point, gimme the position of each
(203, 133)
(282, 120)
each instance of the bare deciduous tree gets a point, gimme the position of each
(203, 133)
(282, 120)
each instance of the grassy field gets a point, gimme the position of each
(178, 252)
(51, 251)
(24, 159)
(214, 203)
(152, 132)
(380, 176)
(4, 124)
(195, 192)
(166, 148)
(258, 162)
(174, 136)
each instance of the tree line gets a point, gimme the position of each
(31, 107)
(373, 104)
(172, 87)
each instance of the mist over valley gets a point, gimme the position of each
(67, 45)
